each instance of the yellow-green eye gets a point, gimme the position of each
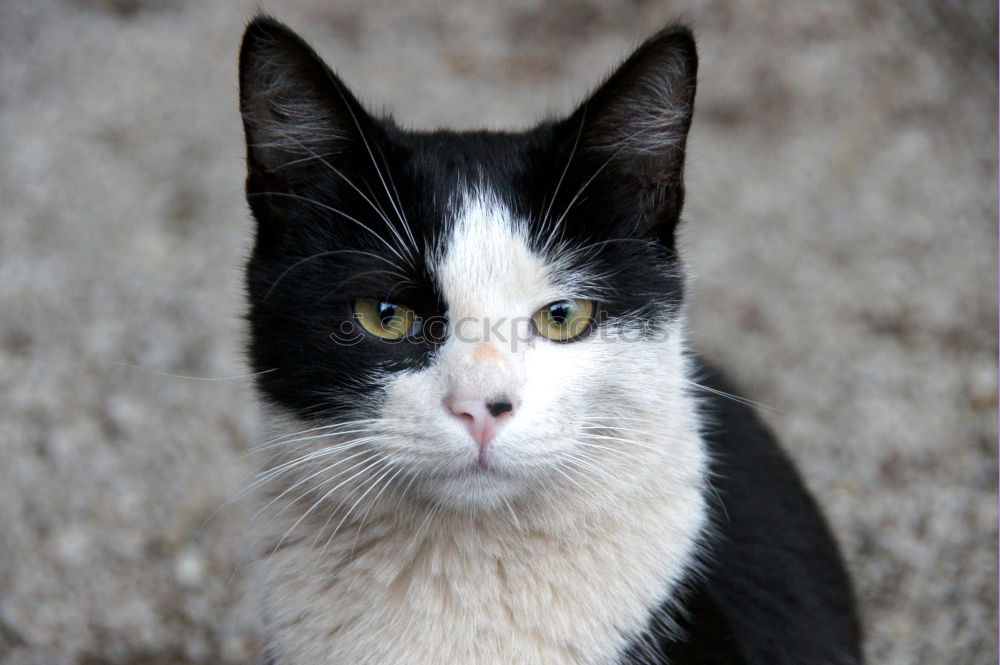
(384, 319)
(564, 320)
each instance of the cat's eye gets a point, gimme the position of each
(385, 320)
(564, 320)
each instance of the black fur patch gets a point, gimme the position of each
(773, 589)
(349, 206)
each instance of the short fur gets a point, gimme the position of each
(622, 514)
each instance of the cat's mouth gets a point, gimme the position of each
(482, 468)
(477, 486)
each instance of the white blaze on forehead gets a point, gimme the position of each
(489, 268)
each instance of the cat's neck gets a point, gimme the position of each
(568, 578)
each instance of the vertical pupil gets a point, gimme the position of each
(386, 313)
(559, 313)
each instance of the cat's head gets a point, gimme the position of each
(474, 317)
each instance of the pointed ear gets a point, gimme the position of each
(633, 130)
(294, 108)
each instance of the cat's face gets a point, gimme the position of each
(468, 318)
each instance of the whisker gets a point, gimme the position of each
(194, 378)
(736, 398)
(413, 478)
(242, 558)
(316, 504)
(399, 211)
(586, 461)
(324, 206)
(378, 171)
(343, 423)
(381, 213)
(596, 173)
(324, 470)
(557, 468)
(373, 503)
(517, 522)
(427, 521)
(387, 466)
(287, 442)
(608, 448)
(618, 438)
(263, 477)
(572, 152)
(266, 477)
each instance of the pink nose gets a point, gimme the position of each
(483, 419)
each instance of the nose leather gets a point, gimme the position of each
(482, 419)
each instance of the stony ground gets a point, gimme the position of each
(842, 223)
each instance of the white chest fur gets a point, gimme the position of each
(570, 582)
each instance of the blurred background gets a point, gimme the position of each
(841, 224)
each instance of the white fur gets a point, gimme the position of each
(585, 522)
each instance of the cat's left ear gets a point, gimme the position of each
(628, 140)
(295, 109)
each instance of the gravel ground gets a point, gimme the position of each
(842, 224)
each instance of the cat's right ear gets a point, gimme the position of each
(295, 109)
(625, 145)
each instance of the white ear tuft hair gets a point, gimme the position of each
(294, 107)
(634, 127)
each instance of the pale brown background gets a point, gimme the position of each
(841, 223)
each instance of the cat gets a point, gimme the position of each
(489, 440)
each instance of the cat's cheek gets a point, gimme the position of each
(560, 380)
(430, 439)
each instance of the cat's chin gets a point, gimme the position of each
(477, 488)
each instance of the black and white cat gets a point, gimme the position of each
(488, 440)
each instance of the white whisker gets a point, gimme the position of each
(329, 208)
